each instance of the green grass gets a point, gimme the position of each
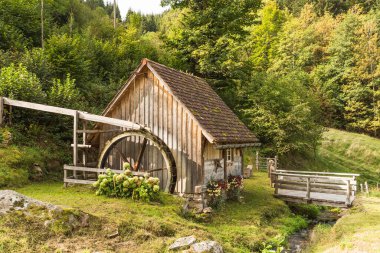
(358, 231)
(342, 151)
(17, 161)
(151, 227)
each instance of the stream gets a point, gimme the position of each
(299, 240)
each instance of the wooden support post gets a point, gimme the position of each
(224, 152)
(275, 184)
(138, 163)
(257, 160)
(308, 188)
(84, 151)
(366, 187)
(10, 115)
(361, 187)
(348, 195)
(75, 142)
(64, 178)
(1, 111)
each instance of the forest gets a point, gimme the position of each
(287, 68)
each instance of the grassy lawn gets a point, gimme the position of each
(358, 231)
(144, 227)
(342, 151)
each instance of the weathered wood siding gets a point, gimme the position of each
(148, 102)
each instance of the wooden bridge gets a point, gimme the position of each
(321, 188)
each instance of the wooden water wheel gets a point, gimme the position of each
(145, 152)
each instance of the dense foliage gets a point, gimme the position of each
(285, 67)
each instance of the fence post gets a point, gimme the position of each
(366, 187)
(348, 193)
(275, 162)
(275, 184)
(257, 160)
(75, 142)
(308, 188)
(361, 187)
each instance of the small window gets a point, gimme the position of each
(229, 155)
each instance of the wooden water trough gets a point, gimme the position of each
(321, 188)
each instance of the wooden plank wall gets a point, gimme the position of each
(146, 101)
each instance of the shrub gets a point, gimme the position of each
(234, 187)
(64, 93)
(16, 82)
(218, 191)
(126, 185)
(215, 193)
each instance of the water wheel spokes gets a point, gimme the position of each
(151, 155)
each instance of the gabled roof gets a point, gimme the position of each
(213, 115)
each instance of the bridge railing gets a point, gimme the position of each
(319, 186)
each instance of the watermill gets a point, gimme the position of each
(164, 122)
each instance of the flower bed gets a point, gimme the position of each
(221, 190)
(126, 185)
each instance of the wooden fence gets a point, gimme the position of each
(262, 163)
(323, 188)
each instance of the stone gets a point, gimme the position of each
(207, 210)
(36, 173)
(196, 206)
(11, 200)
(198, 189)
(206, 247)
(183, 243)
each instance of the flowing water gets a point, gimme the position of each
(299, 240)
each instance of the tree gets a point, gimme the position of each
(281, 112)
(18, 83)
(263, 37)
(212, 34)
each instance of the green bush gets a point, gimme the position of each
(308, 211)
(16, 82)
(126, 185)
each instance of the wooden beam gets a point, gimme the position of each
(98, 170)
(81, 145)
(96, 131)
(308, 188)
(224, 153)
(306, 176)
(109, 121)
(75, 141)
(319, 173)
(70, 112)
(122, 155)
(39, 107)
(138, 163)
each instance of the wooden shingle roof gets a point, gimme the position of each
(206, 106)
(213, 115)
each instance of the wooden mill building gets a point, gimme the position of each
(206, 139)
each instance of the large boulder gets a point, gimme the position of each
(60, 220)
(206, 247)
(183, 243)
(11, 200)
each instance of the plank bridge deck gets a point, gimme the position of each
(321, 188)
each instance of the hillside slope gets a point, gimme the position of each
(342, 151)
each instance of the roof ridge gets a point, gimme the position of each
(176, 70)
